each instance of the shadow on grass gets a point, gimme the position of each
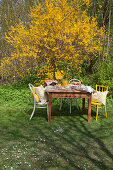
(80, 148)
(67, 142)
(56, 112)
(86, 146)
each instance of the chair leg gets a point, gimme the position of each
(48, 109)
(61, 103)
(105, 111)
(97, 112)
(32, 112)
(70, 101)
(70, 105)
(77, 104)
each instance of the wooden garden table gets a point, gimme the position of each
(61, 93)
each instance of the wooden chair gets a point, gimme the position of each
(37, 104)
(98, 105)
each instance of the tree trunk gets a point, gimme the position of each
(108, 42)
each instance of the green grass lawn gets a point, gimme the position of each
(68, 142)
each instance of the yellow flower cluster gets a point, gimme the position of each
(49, 75)
(59, 74)
(58, 34)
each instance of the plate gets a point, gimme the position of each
(80, 90)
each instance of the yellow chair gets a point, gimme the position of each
(100, 88)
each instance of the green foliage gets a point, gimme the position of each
(102, 75)
(23, 82)
(14, 95)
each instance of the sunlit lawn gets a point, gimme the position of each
(67, 142)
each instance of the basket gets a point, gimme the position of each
(75, 82)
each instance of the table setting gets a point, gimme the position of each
(73, 84)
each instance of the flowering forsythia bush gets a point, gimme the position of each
(60, 36)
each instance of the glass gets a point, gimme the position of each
(64, 83)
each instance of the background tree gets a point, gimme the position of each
(11, 11)
(102, 10)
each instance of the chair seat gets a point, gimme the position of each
(40, 103)
(96, 103)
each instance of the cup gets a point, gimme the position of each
(64, 83)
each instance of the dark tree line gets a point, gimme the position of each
(11, 11)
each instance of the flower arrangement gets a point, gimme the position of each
(59, 75)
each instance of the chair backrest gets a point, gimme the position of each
(101, 88)
(31, 88)
(36, 95)
(74, 80)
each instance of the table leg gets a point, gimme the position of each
(89, 109)
(83, 105)
(49, 117)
